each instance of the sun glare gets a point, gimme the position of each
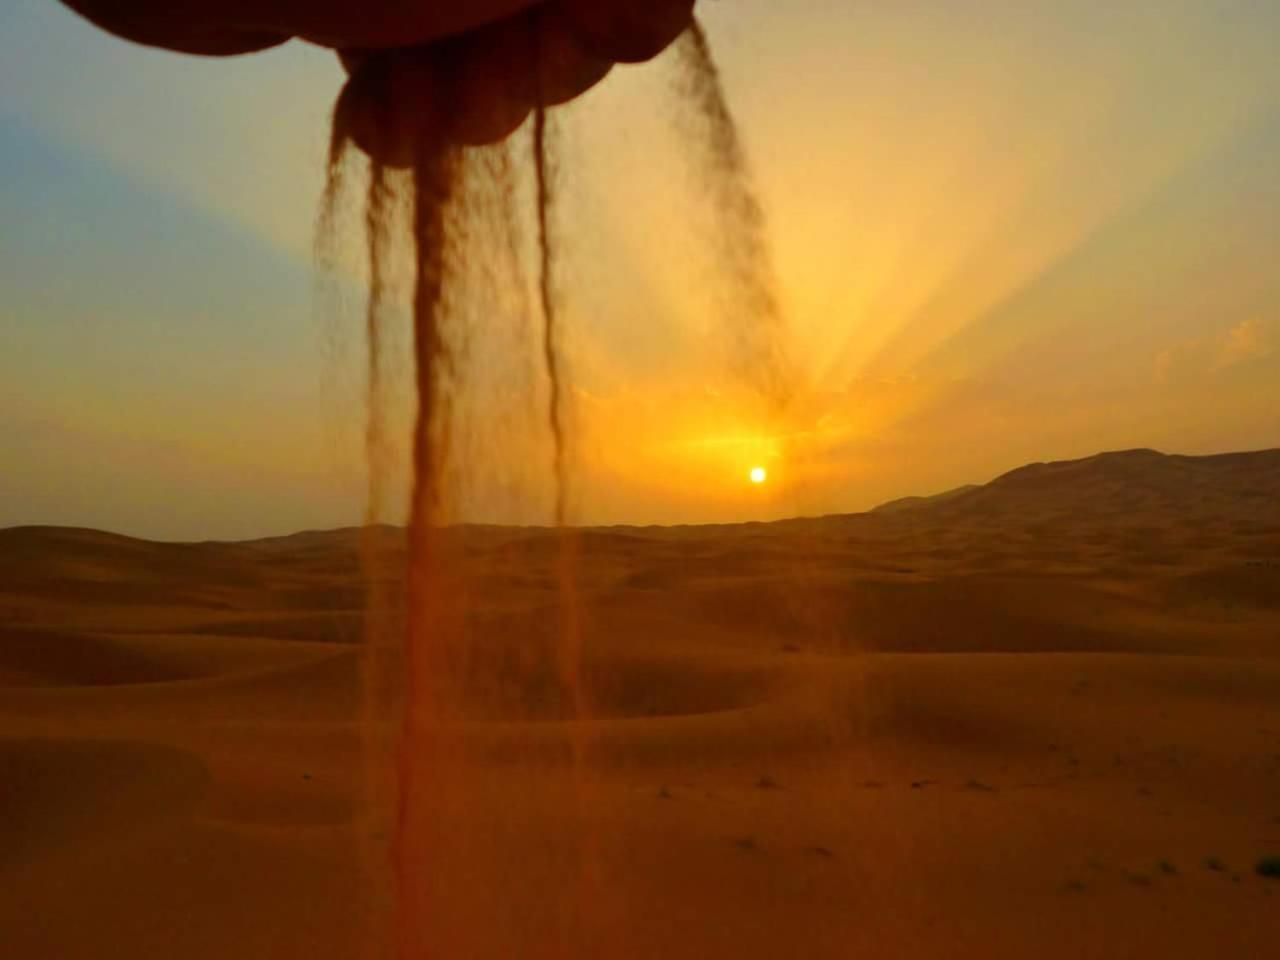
(758, 475)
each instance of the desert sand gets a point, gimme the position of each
(1034, 718)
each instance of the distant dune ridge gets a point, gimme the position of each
(1110, 483)
(909, 503)
(1036, 717)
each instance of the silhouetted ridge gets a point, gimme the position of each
(910, 503)
(1237, 486)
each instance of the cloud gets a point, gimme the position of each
(1247, 340)
(1201, 357)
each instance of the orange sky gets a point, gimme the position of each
(1003, 232)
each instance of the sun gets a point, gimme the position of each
(758, 475)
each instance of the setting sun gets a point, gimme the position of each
(758, 475)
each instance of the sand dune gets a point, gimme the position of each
(1038, 717)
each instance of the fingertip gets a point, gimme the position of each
(494, 83)
(487, 111)
(565, 67)
(391, 105)
(480, 88)
(627, 31)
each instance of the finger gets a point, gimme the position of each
(142, 22)
(399, 102)
(502, 53)
(506, 70)
(494, 84)
(475, 89)
(391, 105)
(376, 24)
(627, 31)
(240, 26)
(566, 68)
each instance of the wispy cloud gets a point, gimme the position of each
(1198, 358)
(1247, 340)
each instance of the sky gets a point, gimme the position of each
(1002, 232)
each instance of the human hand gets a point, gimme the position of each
(471, 69)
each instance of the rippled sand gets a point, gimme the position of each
(1036, 718)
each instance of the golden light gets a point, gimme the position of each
(758, 475)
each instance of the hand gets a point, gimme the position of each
(473, 69)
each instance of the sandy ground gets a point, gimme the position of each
(1037, 718)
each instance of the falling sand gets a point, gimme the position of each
(1033, 718)
(434, 862)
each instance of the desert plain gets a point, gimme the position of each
(1038, 717)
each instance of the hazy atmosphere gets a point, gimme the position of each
(639, 480)
(1004, 232)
